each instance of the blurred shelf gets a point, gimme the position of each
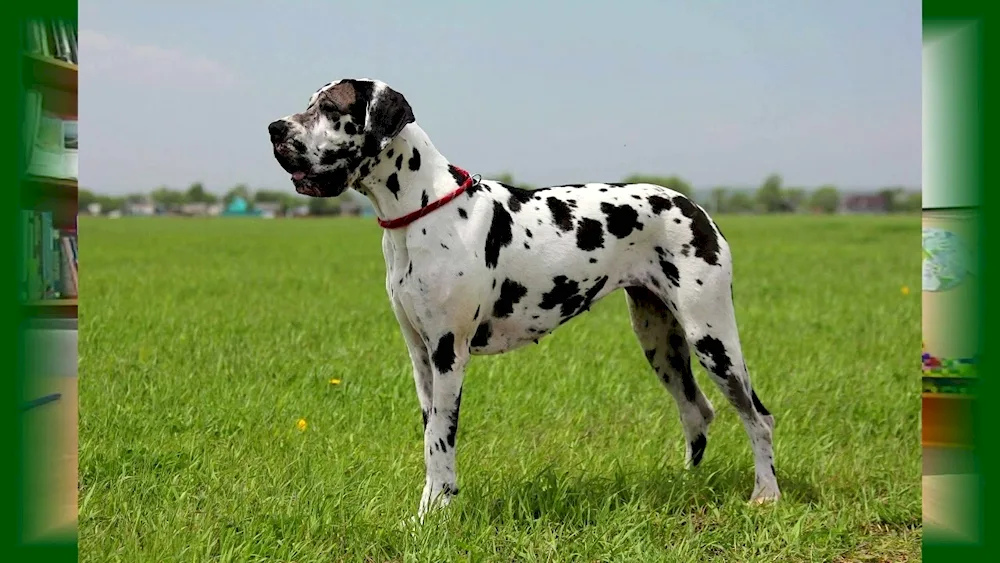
(56, 194)
(51, 308)
(947, 419)
(51, 73)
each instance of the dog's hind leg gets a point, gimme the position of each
(705, 310)
(663, 341)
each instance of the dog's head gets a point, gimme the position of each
(346, 123)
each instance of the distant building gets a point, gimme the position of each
(194, 209)
(864, 203)
(239, 208)
(350, 208)
(268, 209)
(140, 208)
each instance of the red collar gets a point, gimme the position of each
(427, 209)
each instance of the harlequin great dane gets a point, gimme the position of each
(477, 267)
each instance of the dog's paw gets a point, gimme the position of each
(765, 494)
(435, 497)
(695, 451)
(411, 524)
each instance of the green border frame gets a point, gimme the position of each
(12, 499)
(965, 146)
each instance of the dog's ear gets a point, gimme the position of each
(388, 114)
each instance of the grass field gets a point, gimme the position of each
(204, 343)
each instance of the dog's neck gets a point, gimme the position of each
(400, 183)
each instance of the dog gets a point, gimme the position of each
(477, 267)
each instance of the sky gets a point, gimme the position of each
(722, 93)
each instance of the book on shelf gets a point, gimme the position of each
(51, 141)
(51, 38)
(49, 258)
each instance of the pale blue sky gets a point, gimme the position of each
(719, 92)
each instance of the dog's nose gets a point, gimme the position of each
(278, 130)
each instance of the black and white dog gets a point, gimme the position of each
(476, 267)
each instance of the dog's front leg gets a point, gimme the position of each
(449, 357)
(421, 360)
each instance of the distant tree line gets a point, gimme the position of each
(771, 197)
(167, 198)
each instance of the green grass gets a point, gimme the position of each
(203, 342)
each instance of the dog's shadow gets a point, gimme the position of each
(557, 494)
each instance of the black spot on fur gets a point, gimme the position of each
(482, 336)
(350, 128)
(659, 204)
(678, 221)
(649, 355)
(423, 413)
(453, 420)
(414, 161)
(565, 294)
(758, 406)
(336, 126)
(399, 162)
(499, 235)
(444, 354)
(713, 348)
(588, 298)
(680, 361)
(593, 260)
(392, 182)
(462, 213)
(669, 269)
(703, 236)
(510, 293)
(476, 316)
(423, 199)
(685, 250)
(441, 447)
(390, 153)
(589, 234)
(562, 215)
(518, 197)
(409, 269)
(699, 282)
(622, 219)
(527, 232)
(334, 156)
(698, 449)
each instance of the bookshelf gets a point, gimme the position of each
(49, 186)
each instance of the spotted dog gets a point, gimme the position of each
(477, 267)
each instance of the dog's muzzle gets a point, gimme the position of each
(307, 181)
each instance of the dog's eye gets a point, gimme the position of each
(326, 106)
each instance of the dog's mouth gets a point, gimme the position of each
(324, 184)
(307, 180)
